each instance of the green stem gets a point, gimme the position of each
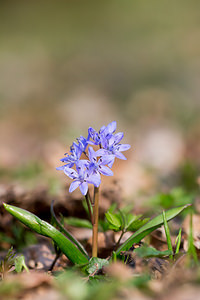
(87, 197)
(119, 240)
(95, 223)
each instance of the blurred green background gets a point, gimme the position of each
(68, 65)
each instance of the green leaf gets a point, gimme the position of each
(178, 241)
(149, 227)
(76, 222)
(130, 218)
(20, 264)
(103, 225)
(191, 248)
(112, 207)
(135, 225)
(66, 232)
(146, 252)
(46, 229)
(96, 264)
(167, 233)
(114, 221)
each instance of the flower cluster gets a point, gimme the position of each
(86, 167)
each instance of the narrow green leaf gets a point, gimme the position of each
(178, 241)
(167, 233)
(135, 225)
(44, 228)
(146, 252)
(67, 233)
(149, 227)
(191, 248)
(76, 222)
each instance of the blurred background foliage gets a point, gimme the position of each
(68, 65)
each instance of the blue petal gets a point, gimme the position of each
(106, 171)
(74, 185)
(118, 137)
(61, 168)
(120, 155)
(110, 164)
(84, 188)
(111, 127)
(70, 172)
(94, 179)
(91, 143)
(102, 152)
(123, 147)
(104, 160)
(91, 154)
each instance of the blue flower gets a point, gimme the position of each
(81, 178)
(89, 171)
(105, 132)
(83, 142)
(71, 159)
(94, 135)
(96, 166)
(113, 147)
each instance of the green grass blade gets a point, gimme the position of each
(149, 227)
(167, 233)
(67, 233)
(44, 228)
(178, 241)
(191, 248)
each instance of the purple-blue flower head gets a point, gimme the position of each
(81, 178)
(88, 171)
(105, 132)
(83, 142)
(71, 159)
(113, 147)
(99, 165)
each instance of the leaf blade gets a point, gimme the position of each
(149, 227)
(46, 229)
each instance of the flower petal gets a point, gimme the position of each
(84, 188)
(110, 164)
(120, 155)
(111, 127)
(91, 154)
(74, 185)
(70, 172)
(118, 137)
(104, 160)
(123, 147)
(105, 171)
(61, 168)
(102, 152)
(94, 179)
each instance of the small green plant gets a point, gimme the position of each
(12, 262)
(85, 166)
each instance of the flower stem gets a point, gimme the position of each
(119, 240)
(95, 223)
(87, 197)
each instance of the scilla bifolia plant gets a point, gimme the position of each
(89, 158)
(85, 166)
